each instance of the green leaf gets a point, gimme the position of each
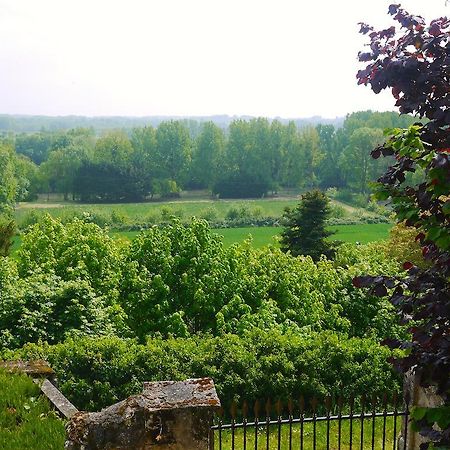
(434, 233)
(418, 413)
(440, 415)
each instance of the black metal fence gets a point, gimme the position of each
(355, 424)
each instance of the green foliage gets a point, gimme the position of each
(305, 232)
(95, 372)
(65, 281)
(26, 419)
(8, 181)
(7, 232)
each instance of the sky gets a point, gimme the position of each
(285, 58)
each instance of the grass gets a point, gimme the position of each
(362, 233)
(308, 436)
(185, 208)
(262, 236)
(26, 419)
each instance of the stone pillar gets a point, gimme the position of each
(168, 415)
(421, 397)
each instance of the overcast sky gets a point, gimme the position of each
(288, 58)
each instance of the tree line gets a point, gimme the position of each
(250, 158)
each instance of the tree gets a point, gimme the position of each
(173, 150)
(310, 156)
(292, 156)
(305, 232)
(8, 181)
(355, 161)
(414, 64)
(208, 153)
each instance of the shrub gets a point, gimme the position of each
(96, 372)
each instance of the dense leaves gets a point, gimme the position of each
(95, 372)
(252, 158)
(415, 63)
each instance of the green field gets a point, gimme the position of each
(262, 236)
(185, 208)
(182, 208)
(293, 435)
(362, 233)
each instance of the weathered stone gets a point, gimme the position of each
(36, 369)
(422, 397)
(167, 415)
(58, 400)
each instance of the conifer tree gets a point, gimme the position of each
(305, 232)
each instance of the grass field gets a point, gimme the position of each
(26, 420)
(362, 233)
(140, 212)
(321, 436)
(262, 236)
(183, 208)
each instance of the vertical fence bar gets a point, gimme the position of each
(361, 444)
(290, 410)
(279, 412)
(406, 422)
(395, 421)
(339, 404)
(268, 410)
(302, 417)
(328, 408)
(374, 405)
(220, 414)
(384, 420)
(244, 422)
(314, 409)
(233, 423)
(352, 402)
(256, 413)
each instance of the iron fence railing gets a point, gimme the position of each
(361, 424)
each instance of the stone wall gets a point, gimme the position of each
(167, 415)
(421, 397)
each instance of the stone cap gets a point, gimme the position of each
(37, 368)
(191, 393)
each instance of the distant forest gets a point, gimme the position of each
(26, 123)
(249, 158)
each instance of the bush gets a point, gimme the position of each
(96, 372)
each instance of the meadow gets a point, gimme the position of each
(199, 205)
(362, 233)
(203, 207)
(262, 236)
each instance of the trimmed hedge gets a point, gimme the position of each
(96, 372)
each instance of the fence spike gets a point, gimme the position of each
(314, 403)
(245, 409)
(374, 401)
(290, 406)
(268, 407)
(279, 407)
(385, 400)
(257, 408)
(328, 403)
(302, 404)
(352, 401)
(233, 409)
(340, 402)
